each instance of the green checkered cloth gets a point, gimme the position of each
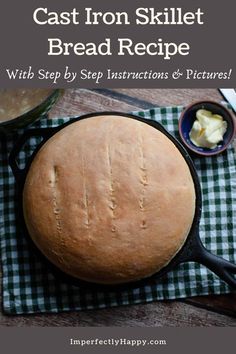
(29, 286)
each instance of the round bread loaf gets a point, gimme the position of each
(109, 199)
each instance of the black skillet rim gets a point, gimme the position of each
(184, 254)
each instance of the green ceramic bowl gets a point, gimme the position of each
(33, 114)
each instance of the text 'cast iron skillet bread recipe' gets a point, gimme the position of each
(111, 198)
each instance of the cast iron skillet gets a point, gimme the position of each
(192, 250)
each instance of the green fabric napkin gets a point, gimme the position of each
(29, 285)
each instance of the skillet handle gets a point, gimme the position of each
(224, 269)
(44, 133)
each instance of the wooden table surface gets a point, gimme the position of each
(198, 311)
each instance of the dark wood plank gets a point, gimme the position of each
(80, 101)
(125, 97)
(171, 314)
(170, 97)
(224, 304)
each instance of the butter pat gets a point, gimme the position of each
(208, 129)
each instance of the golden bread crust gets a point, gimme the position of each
(109, 200)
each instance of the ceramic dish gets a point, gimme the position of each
(27, 115)
(188, 117)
